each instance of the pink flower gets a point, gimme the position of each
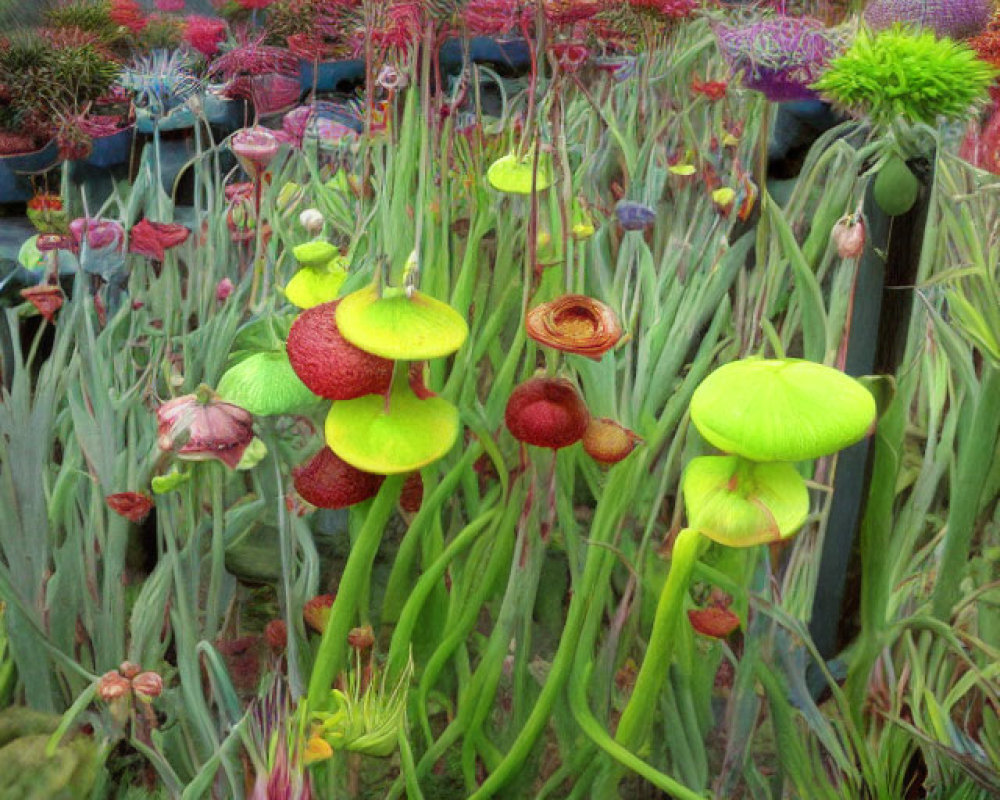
(251, 5)
(153, 239)
(204, 34)
(100, 233)
(200, 427)
(255, 148)
(223, 289)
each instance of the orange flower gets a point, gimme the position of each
(574, 323)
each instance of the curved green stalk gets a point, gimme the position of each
(635, 721)
(399, 647)
(333, 645)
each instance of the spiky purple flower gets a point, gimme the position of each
(779, 55)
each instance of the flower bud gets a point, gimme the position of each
(361, 638)
(849, 236)
(147, 686)
(276, 634)
(223, 289)
(129, 669)
(113, 685)
(312, 221)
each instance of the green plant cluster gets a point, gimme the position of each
(41, 77)
(901, 73)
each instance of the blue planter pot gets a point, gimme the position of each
(110, 151)
(330, 74)
(14, 185)
(513, 54)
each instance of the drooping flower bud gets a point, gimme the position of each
(607, 442)
(849, 236)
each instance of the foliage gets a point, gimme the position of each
(900, 73)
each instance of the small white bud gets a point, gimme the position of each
(312, 220)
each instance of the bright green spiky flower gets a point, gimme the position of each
(899, 73)
(366, 718)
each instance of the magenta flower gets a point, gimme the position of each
(101, 233)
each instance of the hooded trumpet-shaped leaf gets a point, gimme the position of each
(741, 503)
(515, 175)
(781, 409)
(265, 384)
(400, 327)
(389, 436)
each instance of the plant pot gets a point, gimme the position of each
(14, 185)
(508, 54)
(179, 118)
(331, 76)
(110, 151)
(224, 112)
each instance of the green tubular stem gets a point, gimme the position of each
(333, 645)
(637, 716)
(398, 586)
(973, 468)
(399, 647)
(596, 733)
(563, 660)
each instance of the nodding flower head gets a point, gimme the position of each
(161, 81)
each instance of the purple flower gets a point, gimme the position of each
(957, 19)
(779, 56)
(634, 216)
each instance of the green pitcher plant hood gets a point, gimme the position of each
(400, 325)
(389, 436)
(265, 385)
(741, 503)
(515, 175)
(781, 409)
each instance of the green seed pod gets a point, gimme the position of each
(896, 188)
